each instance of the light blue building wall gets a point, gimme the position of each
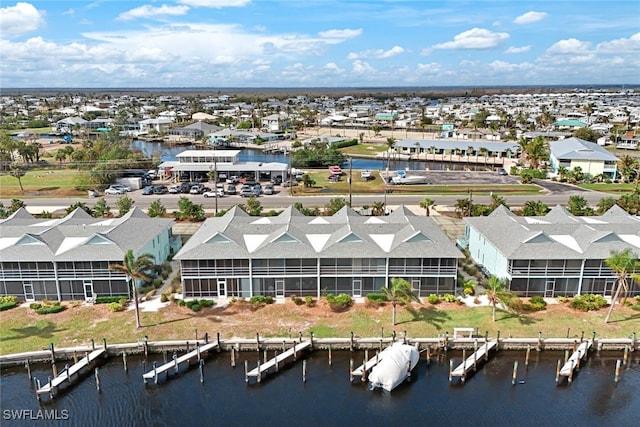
(487, 255)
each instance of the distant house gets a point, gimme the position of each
(69, 258)
(628, 141)
(558, 254)
(158, 125)
(195, 131)
(276, 122)
(590, 157)
(569, 124)
(68, 124)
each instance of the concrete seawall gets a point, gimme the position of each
(256, 344)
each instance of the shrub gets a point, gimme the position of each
(50, 309)
(207, 302)
(106, 299)
(376, 299)
(7, 302)
(449, 298)
(196, 307)
(149, 294)
(635, 307)
(468, 291)
(35, 305)
(115, 306)
(297, 300)
(164, 298)
(563, 299)
(181, 303)
(536, 303)
(308, 300)
(339, 303)
(588, 302)
(157, 283)
(261, 299)
(433, 299)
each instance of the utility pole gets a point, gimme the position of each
(350, 179)
(215, 178)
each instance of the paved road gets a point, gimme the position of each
(281, 200)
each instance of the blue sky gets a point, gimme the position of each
(317, 43)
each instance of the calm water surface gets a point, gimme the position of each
(328, 399)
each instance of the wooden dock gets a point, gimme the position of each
(471, 362)
(574, 361)
(175, 363)
(261, 369)
(67, 373)
(368, 365)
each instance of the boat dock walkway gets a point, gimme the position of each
(471, 362)
(367, 365)
(574, 361)
(275, 362)
(175, 363)
(67, 373)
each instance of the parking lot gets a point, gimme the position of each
(462, 177)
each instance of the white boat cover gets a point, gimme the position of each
(392, 368)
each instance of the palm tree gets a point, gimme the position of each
(400, 292)
(426, 203)
(135, 268)
(622, 264)
(377, 209)
(497, 292)
(390, 143)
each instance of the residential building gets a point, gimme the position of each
(238, 255)
(590, 157)
(69, 258)
(558, 254)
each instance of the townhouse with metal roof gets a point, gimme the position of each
(558, 254)
(590, 157)
(68, 258)
(237, 255)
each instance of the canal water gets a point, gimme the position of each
(327, 398)
(169, 152)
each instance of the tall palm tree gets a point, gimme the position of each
(390, 144)
(497, 292)
(135, 268)
(622, 264)
(426, 203)
(400, 292)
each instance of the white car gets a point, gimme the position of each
(124, 188)
(208, 194)
(174, 189)
(114, 191)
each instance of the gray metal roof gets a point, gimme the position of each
(559, 235)
(77, 237)
(579, 149)
(345, 234)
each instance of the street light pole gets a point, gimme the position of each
(350, 179)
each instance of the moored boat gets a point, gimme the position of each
(396, 363)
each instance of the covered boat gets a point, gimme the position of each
(396, 362)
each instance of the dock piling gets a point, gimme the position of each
(429, 355)
(75, 357)
(246, 371)
(515, 373)
(304, 371)
(97, 374)
(218, 341)
(28, 369)
(145, 345)
(264, 356)
(450, 370)
(526, 357)
(124, 360)
(54, 369)
(201, 366)
(93, 344)
(258, 342)
(175, 362)
(104, 343)
(475, 354)
(351, 342)
(276, 359)
(206, 337)
(233, 357)
(198, 350)
(633, 342)
(617, 376)
(66, 369)
(155, 373)
(36, 384)
(53, 353)
(259, 372)
(329, 354)
(164, 356)
(351, 370)
(539, 340)
(558, 370)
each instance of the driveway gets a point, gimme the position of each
(558, 187)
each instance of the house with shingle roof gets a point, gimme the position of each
(557, 254)
(68, 258)
(237, 255)
(590, 157)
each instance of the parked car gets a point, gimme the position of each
(256, 190)
(502, 172)
(124, 188)
(93, 193)
(231, 189)
(185, 187)
(233, 179)
(147, 191)
(277, 180)
(212, 193)
(160, 189)
(174, 189)
(114, 191)
(268, 188)
(246, 192)
(197, 189)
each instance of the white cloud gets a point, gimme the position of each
(341, 34)
(148, 11)
(377, 53)
(530, 17)
(475, 38)
(69, 12)
(522, 49)
(216, 4)
(332, 66)
(502, 66)
(630, 45)
(361, 67)
(568, 46)
(20, 19)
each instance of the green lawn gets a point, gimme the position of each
(38, 182)
(615, 188)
